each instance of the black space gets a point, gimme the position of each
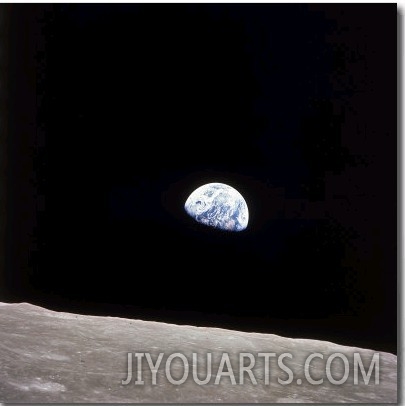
(116, 113)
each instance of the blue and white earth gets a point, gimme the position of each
(218, 205)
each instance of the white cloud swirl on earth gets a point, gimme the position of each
(218, 205)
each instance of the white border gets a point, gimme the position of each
(401, 150)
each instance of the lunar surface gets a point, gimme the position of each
(53, 357)
(218, 205)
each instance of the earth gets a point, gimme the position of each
(218, 205)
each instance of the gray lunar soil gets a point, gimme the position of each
(53, 357)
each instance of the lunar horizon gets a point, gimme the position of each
(52, 357)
